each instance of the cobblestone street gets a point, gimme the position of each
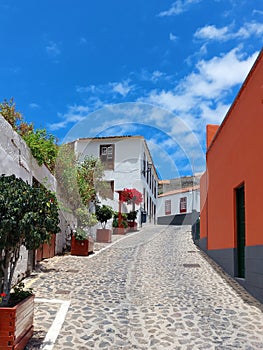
(151, 290)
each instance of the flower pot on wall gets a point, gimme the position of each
(81, 247)
(16, 324)
(103, 235)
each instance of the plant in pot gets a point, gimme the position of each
(120, 223)
(131, 217)
(103, 214)
(81, 242)
(28, 216)
(133, 197)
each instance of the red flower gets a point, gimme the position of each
(131, 195)
(2, 295)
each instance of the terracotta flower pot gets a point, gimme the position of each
(81, 247)
(120, 230)
(103, 235)
(16, 324)
(132, 225)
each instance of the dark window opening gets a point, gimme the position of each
(183, 205)
(107, 156)
(240, 231)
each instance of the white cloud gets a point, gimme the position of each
(122, 88)
(154, 76)
(178, 7)
(170, 100)
(172, 37)
(249, 29)
(52, 49)
(258, 11)
(83, 40)
(74, 114)
(200, 97)
(211, 32)
(89, 88)
(34, 105)
(217, 75)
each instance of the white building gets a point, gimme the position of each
(179, 207)
(128, 164)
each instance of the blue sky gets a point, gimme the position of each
(163, 69)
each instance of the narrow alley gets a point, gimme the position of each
(151, 290)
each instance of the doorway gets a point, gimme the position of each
(240, 230)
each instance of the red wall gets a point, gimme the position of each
(211, 130)
(236, 156)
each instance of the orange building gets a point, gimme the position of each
(231, 231)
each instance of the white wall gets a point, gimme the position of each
(127, 171)
(16, 158)
(193, 202)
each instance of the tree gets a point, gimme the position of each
(90, 174)
(103, 214)
(79, 183)
(28, 215)
(66, 175)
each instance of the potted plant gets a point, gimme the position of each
(28, 216)
(133, 197)
(120, 223)
(131, 216)
(81, 242)
(103, 214)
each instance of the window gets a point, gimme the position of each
(183, 205)
(107, 156)
(167, 205)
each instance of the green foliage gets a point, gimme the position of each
(8, 111)
(89, 176)
(27, 216)
(43, 147)
(132, 215)
(78, 182)
(19, 294)
(103, 214)
(123, 222)
(80, 234)
(85, 218)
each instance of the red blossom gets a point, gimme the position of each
(3, 295)
(131, 195)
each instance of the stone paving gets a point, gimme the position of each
(152, 290)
